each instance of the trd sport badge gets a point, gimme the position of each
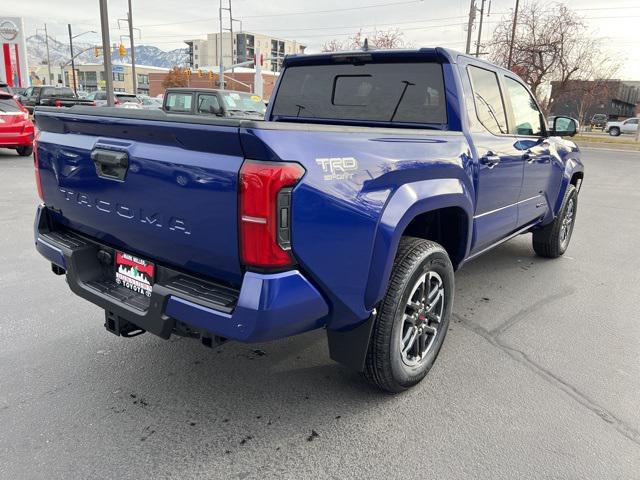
(338, 168)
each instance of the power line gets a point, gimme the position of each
(326, 34)
(341, 27)
(370, 25)
(290, 14)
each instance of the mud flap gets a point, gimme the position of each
(349, 347)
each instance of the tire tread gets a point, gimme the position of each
(410, 251)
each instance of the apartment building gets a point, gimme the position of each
(204, 53)
(90, 77)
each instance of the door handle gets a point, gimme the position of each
(540, 152)
(490, 159)
(529, 156)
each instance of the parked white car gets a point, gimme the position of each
(628, 126)
(120, 98)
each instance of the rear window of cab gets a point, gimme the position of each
(403, 93)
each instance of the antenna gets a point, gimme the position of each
(365, 46)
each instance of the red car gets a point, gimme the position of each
(16, 130)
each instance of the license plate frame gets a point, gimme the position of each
(134, 273)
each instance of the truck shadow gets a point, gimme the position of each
(239, 399)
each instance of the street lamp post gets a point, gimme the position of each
(73, 64)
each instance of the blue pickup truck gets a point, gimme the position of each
(375, 176)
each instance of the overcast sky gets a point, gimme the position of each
(165, 23)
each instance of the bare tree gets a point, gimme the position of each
(552, 43)
(376, 39)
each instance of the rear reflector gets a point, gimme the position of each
(265, 212)
(36, 165)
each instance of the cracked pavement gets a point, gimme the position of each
(539, 376)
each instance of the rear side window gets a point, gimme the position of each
(8, 105)
(179, 102)
(488, 100)
(60, 92)
(376, 92)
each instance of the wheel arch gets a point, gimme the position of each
(573, 174)
(424, 209)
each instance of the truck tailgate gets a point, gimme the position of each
(165, 191)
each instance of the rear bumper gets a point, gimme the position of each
(16, 140)
(266, 307)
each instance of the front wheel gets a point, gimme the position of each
(413, 317)
(614, 131)
(553, 240)
(25, 151)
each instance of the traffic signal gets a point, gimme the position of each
(199, 73)
(96, 51)
(187, 72)
(122, 51)
(210, 75)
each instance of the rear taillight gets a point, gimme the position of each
(93, 104)
(265, 212)
(58, 103)
(36, 165)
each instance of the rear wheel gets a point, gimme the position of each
(614, 131)
(553, 240)
(25, 151)
(413, 317)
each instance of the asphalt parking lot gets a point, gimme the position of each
(539, 376)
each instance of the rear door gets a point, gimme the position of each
(500, 158)
(630, 126)
(179, 102)
(526, 121)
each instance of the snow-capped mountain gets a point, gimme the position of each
(59, 53)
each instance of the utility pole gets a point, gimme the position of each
(233, 60)
(513, 34)
(257, 82)
(106, 50)
(46, 41)
(133, 48)
(472, 17)
(480, 28)
(221, 75)
(73, 63)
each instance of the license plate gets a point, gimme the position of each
(134, 273)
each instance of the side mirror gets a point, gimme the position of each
(215, 110)
(564, 127)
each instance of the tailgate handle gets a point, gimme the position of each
(110, 164)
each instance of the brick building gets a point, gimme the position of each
(241, 80)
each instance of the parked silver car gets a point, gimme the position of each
(628, 126)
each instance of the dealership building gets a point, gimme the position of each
(13, 52)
